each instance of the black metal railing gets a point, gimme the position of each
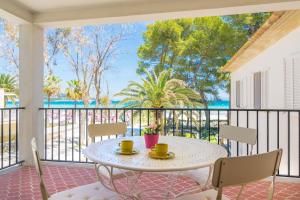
(9, 137)
(66, 135)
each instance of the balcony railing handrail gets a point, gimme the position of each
(184, 109)
(13, 108)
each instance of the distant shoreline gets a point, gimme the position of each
(63, 103)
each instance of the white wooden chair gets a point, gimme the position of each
(238, 134)
(233, 133)
(107, 129)
(240, 171)
(94, 191)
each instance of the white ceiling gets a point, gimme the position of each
(46, 6)
(40, 6)
(55, 13)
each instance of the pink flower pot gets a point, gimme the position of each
(151, 140)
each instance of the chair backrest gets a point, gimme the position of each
(239, 134)
(107, 129)
(38, 167)
(245, 169)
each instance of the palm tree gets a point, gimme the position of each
(159, 91)
(51, 88)
(9, 84)
(75, 91)
(105, 100)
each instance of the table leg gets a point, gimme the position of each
(211, 168)
(101, 178)
(172, 178)
(131, 179)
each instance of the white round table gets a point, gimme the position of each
(190, 154)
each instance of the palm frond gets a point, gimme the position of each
(158, 91)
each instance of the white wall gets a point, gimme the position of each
(271, 60)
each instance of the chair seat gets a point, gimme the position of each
(94, 191)
(206, 195)
(199, 175)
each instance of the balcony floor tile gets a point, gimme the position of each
(23, 184)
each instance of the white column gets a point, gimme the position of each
(31, 89)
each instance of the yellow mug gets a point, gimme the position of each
(161, 149)
(126, 145)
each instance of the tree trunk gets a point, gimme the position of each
(169, 120)
(206, 112)
(159, 119)
(48, 101)
(97, 88)
(177, 125)
(5, 101)
(207, 116)
(74, 114)
(97, 98)
(83, 128)
(97, 85)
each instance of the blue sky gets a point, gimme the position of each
(124, 66)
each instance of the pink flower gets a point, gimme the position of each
(153, 126)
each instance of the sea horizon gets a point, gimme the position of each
(64, 103)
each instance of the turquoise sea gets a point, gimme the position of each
(71, 104)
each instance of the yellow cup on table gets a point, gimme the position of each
(161, 149)
(126, 146)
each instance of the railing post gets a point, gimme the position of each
(31, 89)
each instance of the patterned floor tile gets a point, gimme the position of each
(22, 184)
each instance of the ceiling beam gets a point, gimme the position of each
(13, 12)
(157, 9)
(131, 11)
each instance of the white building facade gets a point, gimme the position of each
(270, 80)
(265, 75)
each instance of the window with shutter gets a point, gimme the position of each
(296, 82)
(292, 82)
(288, 83)
(257, 90)
(238, 94)
(244, 93)
(250, 91)
(265, 88)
